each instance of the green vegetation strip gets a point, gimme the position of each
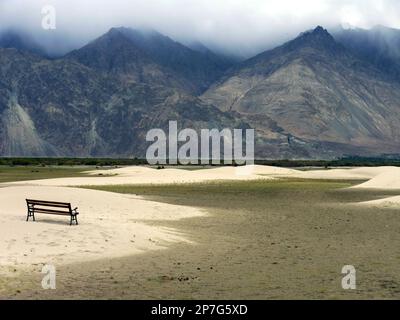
(13, 174)
(388, 160)
(226, 187)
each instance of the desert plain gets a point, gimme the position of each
(253, 232)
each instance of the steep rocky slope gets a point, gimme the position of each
(315, 98)
(63, 108)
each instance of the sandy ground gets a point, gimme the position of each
(114, 226)
(111, 225)
(391, 202)
(274, 239)
(363, 173)
(146, 175)
(387, 179)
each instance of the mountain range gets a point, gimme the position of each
(322, 95)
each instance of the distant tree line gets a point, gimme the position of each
(107, 162)
(101, 162)
(343, 162)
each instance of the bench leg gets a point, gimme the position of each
(74, 219)
(30, 214)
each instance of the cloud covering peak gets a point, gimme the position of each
(235, 26)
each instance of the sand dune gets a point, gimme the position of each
(391, 202)
(146, 175)
(387, 179)
(111, 225)
(115, 225)
(362, 173)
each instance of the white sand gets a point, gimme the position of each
(390, 203)
(111, 225)
(387, 179)
(362, 173)
(146, 176)
(114, 225)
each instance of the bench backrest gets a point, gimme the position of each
(54, 207)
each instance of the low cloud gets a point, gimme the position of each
(235, 26)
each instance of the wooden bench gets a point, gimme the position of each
(51, 207)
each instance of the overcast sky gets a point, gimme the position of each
(246, 26)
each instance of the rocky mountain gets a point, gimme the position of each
(114, 54)
(317, 96)
(379, 46)
(198, 66)
(314, 98)
(150, 57)
(64, 108)
(46, 106)
(20, 41)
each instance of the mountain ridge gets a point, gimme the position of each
(312, 97)
(317, 91)
(60, 107)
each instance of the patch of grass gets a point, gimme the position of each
(226, 187)
(284, 239)
(13, 174)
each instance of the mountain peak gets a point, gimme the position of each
(113, 33)
(318, 38)
(319, 32)
(180, 59)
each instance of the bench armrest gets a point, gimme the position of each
(75, 210)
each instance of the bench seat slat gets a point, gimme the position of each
(66, 213)
(49, 206)
(48, 203)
